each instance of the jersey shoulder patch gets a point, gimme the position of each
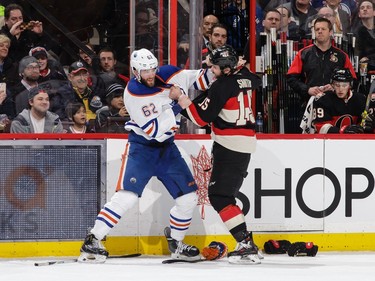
(166, 72)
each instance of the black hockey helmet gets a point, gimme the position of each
(224, 56)
(342, 75)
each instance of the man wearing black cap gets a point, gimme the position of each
(79, 91)
(37, 118)
(115, 111)
(49, 69)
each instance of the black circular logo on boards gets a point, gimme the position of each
(336, 200)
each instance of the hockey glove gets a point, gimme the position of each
(353, 129)
(214, 251)
(302, 248)
(276, 246)
(368, 123)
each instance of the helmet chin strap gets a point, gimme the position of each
(137, 75)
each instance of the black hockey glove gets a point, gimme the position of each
(353, 129)
(368, 123)
(276, 246)
(303, 248)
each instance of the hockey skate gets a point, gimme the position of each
(246, 252)
(179, 250)
(259, 252)
(92, 250)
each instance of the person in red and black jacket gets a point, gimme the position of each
(227, 107)
(311, 70)
(340, 110)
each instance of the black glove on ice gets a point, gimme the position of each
(303, 248)
(276, 246)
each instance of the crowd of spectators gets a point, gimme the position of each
(27, 60)
(347, 16)
(351, 30)
(39, 95)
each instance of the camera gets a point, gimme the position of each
(26, 25)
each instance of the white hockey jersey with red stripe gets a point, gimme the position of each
(151, 110)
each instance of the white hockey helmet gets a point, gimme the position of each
(142, 59)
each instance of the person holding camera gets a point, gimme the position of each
(23, 35)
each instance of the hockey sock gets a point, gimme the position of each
(180, 215)
(234, 220)
(112, 212)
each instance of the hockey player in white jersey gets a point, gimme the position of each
(151, 151)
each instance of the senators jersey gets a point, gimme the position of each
(154, 116)
(331, 113)
(227, 108)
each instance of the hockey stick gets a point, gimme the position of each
(46, 263)
(169, 261)
(368, 100)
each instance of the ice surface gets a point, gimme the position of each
(353, 266)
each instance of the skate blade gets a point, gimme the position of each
(260, 255)
(249, 259)
(185, 258)
(91, 258)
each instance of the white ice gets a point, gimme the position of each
(353, 266)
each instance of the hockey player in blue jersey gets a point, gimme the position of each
(151, 151)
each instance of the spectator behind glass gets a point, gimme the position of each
(84, 57)
(8, 78)
(115, 108)
(342, 18)
(92, 64)
(287, 24)
(208, 22)
(301, 10)
(348, 6)
(145, 34)
(28, 69)
(235, 17)
(324, 12)
(80, 91)
(217, 38)
(365, 33)
(37, 118)
(76, 113)
(269, 5)
(47, 72)
(108, 72)
(272, 19)
(6, 104)
(8, 69)
(22, 38)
